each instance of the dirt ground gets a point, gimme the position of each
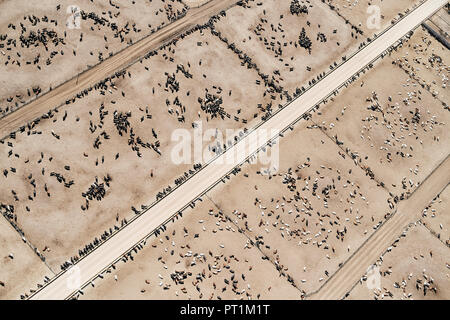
(48, 167)
(436, 218)
(359, 14)
(427, 61)
(269, 34)
(390, 125)
(415, 267)
(86, 170)
(29, 67)
(195, 3)
(313, 213)
(441, 23)
(201, 256)
(21, 269)
(320, 207)
(80, 143)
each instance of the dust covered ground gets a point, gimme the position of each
(441, 22)
(390, 125)
(436, 218)
(83, 172)
(311, 214)
(291, 48)
(427, 61)
(21, 269)
(92, 165)
(195, 3)
(339, 177)
(363, 14)
(87, 169)
(200, 256)
(43, 46)
(415, 267)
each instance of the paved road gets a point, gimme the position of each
(124, 240)
(58, 96)
(408, 211)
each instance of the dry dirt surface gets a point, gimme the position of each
(20, 267)
(390, 125)
(310, 215)
(319, 200)
(435, 217)
(96, 261)
(415, 267)
(195, 3)
(292, 49)
(42, 46)
(427, 61)
(361, 13)
(80, 85)
(408, 212)
(79, 174)
(82, 170)
(201, 256)
(441, 22)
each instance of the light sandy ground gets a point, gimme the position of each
(407, 212)
(73, 228)
(132, 183)
(359, 14)
(427, 61)
(21, 269)
(269, 35)
(96, 261)
(119, 25)
(80, 85)
(417, 261)
(390, 125)
(272, 217)
(437, 218)
(311, 215)
(441, 23)
(207, 253)
(195, 3)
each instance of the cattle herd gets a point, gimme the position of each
(83, 171)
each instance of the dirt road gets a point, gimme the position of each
(99, 260)
(59, 95)
(408, 211)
